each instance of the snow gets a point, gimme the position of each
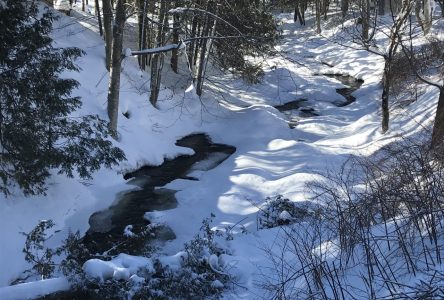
(31, 290)
(123, 266)
(270, 158)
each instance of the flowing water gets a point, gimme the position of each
(107, 227)
(295, 110)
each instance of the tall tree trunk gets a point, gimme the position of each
(385, 96)
(175, 52)
(191, 48)
(318, 16)
(423, 12)
(108, 28)
(344, 7)
(99, 18)
(141, 5)
(365, 15)
(157, 59)
(204, 51)
(116, 67)
(441, 5)
(438, 127)
(299, 10)
(324, 8)
(83, 5)
(395, 33)
(381, 7)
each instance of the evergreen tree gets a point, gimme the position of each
(37, 131)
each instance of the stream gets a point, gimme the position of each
(107, 227)
(297, 109)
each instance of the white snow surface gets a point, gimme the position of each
(270, 159)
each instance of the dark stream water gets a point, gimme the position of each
(352, 84)
(299, 108)
(107, 227)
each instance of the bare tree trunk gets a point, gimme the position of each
(204, 51)
(83, 5)
(191, 49)
(365, 15)
(157, 59)
(385, 95)
(299, 11)
(141, 5)
(438, 127)
(116, 67)
(108, 28)
(175, 52)
(441, 5)
(324, 8)
(381, 7)
(423, 12)
(344, 7)
(318, 16)
(99, 18)
(395, 34)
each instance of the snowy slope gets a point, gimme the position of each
(270, 159)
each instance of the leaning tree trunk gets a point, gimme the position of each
(438, 127)
(108, 29)
(116, 67)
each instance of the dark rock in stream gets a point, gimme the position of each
(353, 85)
(107, 227)
(289, 108)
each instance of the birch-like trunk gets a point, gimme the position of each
(423, 12)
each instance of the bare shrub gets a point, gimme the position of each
(381, 221)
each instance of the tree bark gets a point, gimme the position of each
(116, 67)
(99, 18)
(108, 29)
(175, 52)
(204, 52)
(385, 96)
(423, 12)
(438, 126)
(344, 7)
(157, 59)
(365, 15)
(318, 16)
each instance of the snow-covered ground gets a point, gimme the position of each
(270, 159)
